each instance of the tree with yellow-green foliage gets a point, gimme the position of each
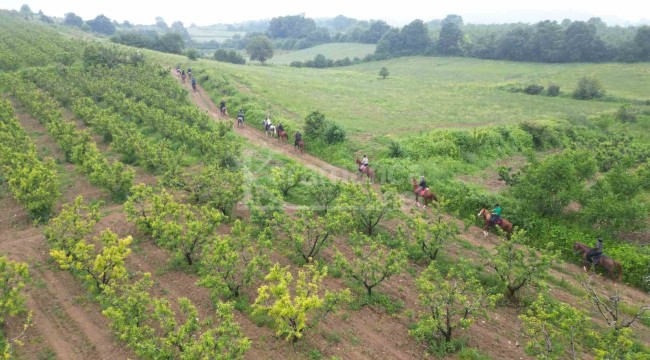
(296, 306)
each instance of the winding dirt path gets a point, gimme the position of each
(473, 234)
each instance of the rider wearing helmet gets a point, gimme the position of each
(597, 251)
(240, 114)
(280, 127)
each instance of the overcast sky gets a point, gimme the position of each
(397, 12)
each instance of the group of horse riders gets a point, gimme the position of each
(182, 74)
(592, 255)
(268, 126)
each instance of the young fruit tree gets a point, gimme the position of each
(372, 262)
(361, 207)
(306, 234)
(296, 306)
(426, 235)
(233, 262)
(555, 329)
(450, 303)
(516, 265)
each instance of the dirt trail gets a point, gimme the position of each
(474, 234)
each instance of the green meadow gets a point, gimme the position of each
(203, 34)
(334, 51)
(427, 92)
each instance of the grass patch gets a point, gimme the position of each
(385, 302)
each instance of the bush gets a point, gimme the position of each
(534, 89)
(296, 64)
(231, 56)
(395, 150)
(192, 54)
(588, 88)
(553, 90)
(626, 114)
(335, 133)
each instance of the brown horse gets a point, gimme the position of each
(427, 195)
(613, 267)
(283, 136)
(505, 225)
(368, 171)
(300, 146)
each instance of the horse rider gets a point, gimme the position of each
(240, 115)
(595, 252)
(364, 163)
(194, 83)
(298, 137)
(280, 127)
(222, 105)
(189, 71)
(267, 123)
(422, 185)
(496, 214)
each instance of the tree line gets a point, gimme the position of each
(546, 41)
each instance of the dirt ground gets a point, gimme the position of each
(67, 325)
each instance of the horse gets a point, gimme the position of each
(283, 136)
(223, 111)
(300, 146)
(270, 131)
(240, 121)
(427, 194)
(504, 224)
(370, 173)
(612, 266)
(183, 77)
(194, 86)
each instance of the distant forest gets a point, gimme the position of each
(546, 41)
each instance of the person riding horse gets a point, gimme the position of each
(364, 163)
(496, 214)
(194, 83)
(298, 138)
(280, 127)
(222, 106)
(267, 123)
(595, 252)
(422, 185)
(240, 115)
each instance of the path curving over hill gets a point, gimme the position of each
(566, 272)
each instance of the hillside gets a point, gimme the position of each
(205, 208)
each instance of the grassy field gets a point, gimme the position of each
(424, 92)
(334, 51)
(203, 34)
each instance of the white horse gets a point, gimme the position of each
(271, 131)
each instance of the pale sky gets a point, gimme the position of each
(396, 13)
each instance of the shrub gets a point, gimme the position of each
(395, 150)
(534, 89)
(315, 125)
(192, 54)
(626, 114)
(335, 133)
(553, 90)
(588, 88)
(231, 56)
